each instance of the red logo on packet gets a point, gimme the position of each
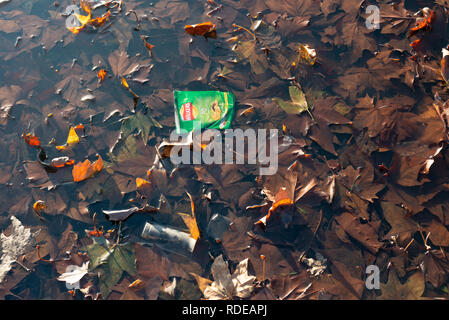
(188, 111)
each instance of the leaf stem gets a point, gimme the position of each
(243, 28)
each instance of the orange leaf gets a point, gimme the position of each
(281, 200)
(148, 45)
(190, 221)
(201, 29)
(39, 205)
(97, 166)
(101, 75)
(141, 182)
(99, 21)
(32, 140)
(84, 170)
(124, 83)
(137, 285)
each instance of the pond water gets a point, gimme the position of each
(354, 95)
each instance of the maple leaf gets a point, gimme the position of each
(227, 286)
(84, 170)
(247, 51)
(15, 245)
(140, 122)
(412, 289)
(298, 102)
(111, 261)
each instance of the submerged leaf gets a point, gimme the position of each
(110, 261)
(298, 104)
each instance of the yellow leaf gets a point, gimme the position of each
(71, 139)
(190, 221)
(124, 83)
(141, 182)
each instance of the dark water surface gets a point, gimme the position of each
(365, 168)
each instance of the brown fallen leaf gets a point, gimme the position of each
(366, 234)
(412, 289)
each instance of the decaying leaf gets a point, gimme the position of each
(412, 289)
(306, 55)
(101, 75)
(120, 215)
(15, 245)
(227, 286)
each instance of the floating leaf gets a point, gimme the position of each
(32, 140)
(84, 170)
(74, 274)
(206, 29)
(87, 20)
(71, 140)
(307, 55)
(141, 183)
(148, 45)
(101, 75)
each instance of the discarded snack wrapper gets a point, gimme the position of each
(210, 109)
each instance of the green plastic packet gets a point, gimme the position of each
(209, 109)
